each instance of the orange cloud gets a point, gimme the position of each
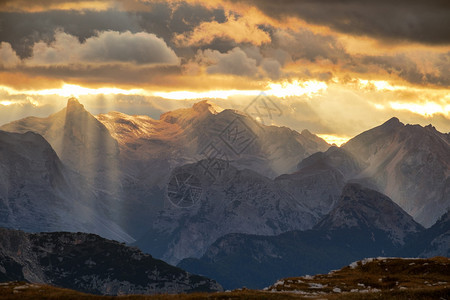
(43, 5)
(21, 81)
(240, 30)
(8, 57)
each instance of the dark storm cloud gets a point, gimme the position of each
(105, 74)
(185, 17)
(407, 69)
(425, 21)
(140, 48)
(24, 5)
(23, 29)
(307, 45)
(304, 44)
(166, 21)
(234, 62)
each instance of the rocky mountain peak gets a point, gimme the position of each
(394, 153)
(393, 122)
(73, 104)
(306, 132)
(206, 105)
(334, 157)
(185, 116)
(360, 207)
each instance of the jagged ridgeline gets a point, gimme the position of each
(220, 194)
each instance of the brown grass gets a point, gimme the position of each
(385, 278)
(379, 279)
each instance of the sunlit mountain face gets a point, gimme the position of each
(335, 69)
(145, 141)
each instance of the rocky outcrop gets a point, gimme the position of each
(91, 264)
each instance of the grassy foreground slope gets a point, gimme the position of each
(380, 278)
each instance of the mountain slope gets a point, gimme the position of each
(38, 193)
(88, 263)
(85, 145)
(434, 241)
(440, 244)
(351, 231)
(81, 142)
(336, 158)
(233, 201)
(30, 170)
(320, 178)
(408, 163)
(366, 209)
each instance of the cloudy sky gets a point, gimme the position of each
(334, 67)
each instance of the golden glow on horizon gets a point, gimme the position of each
(218, 94)
(6, 102)
(379, 85)
(378, 106)
(285, 89)
(334, 139)
(73, 90)
(280, 90)
(296, 88)
(427, 109)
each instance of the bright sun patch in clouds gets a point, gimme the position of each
(219, 94)
(6, 102)
(427, 109)
(334, 139)
(296, 88)
(280, 90)
(379, 85)
(73, 90)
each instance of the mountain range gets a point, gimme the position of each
(364, 223)
(215, 191)
(238, 201)
(131, 157)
